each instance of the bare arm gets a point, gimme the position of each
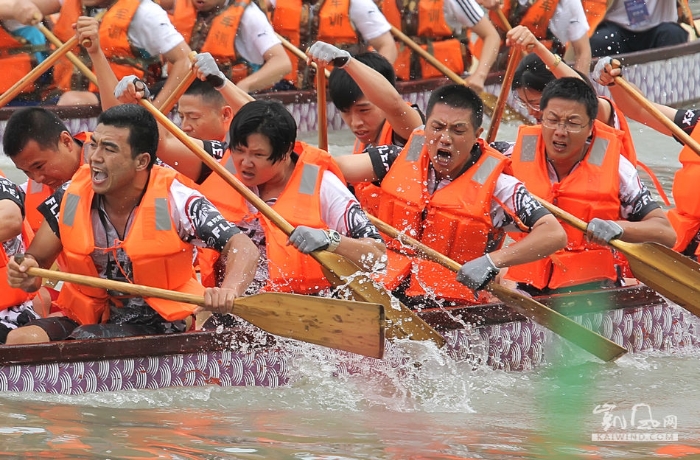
(11, 218)
(402, 118)
(653, 228)
(356, 168)
(546, 237)
(384, 44)
(364, 252)
(582, 51)
(42, 252)
(277, 65)
(241, 262)
(87, 28)
(25, 12)
(492, 42)
(178, 57)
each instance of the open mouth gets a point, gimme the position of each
(443, 157)
(559, 146)
(98, 176)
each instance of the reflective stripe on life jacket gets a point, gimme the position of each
(591, 190)
(158, 256)
(299, 204)
(454, 220)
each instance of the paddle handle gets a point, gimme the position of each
(502, 17)
(513, 60)
(180, 89)
(299, 53)
(129, 288)
(37, 71)
(75, 60)
(649, 107)
(322, 107)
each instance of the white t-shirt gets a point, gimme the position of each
(255, 35)
(462, 14)
(656, 12)
(569, 22)
(365, 17)
(151, 30)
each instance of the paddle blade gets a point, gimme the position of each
(401, 322)
(347, 325)
(599, 346)
(671, 274)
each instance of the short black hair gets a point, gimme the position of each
(458, 97)
(532, 74)
(32, 124)
(343, 90)
(206, 91)
(572, 89)
(142, 126)
(269, 118)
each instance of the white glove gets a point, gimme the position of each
(602, 231)
(600, 75)
(477, 273)
(206, 64)
(327, 53)
(128, 88)
(307, 239)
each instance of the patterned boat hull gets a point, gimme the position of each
(490, 335)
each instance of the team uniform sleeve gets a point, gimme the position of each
(50, 208)
(382, 158)
(368, 20)
(152, 31)
(255, 35)
(512, 194)
(214, 149)
(635, 199)
(686, 120)
(461, 14)
(11, 191)
(569, 22)
(341, 211)
(198, 221)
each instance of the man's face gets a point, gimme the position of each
(565, 128)
(207, 5)
(365, 120)
(111, 162)
(51, 166)
(450, 137)
(530, 99)
(202, 120)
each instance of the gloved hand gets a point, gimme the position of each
(307, 239)
(476, 273)
(602, 231)
(325, 53)
(605, 71)
(209, 70)
(128, 89)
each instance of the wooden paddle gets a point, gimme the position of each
(656, 113)
(322, 117)
(401, 322)
(180, 89)
(513, 61)
(671, 274)
(75, 60)
(347, 325)
(564, 326)
(37, 71)
(487, 98)
(299, 53)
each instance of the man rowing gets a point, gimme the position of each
(448, 189)
(574, 161)
(123, 218)
(685, 217)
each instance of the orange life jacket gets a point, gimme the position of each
(159, 257)
(16, 59)
(220, 41)
(366, 192)
(286, 20)
(595, 12)
(454, 220)
(10, 297)
(334, 25)
(391, 11)
(536, 17)
(591, 190)
(425, 23)
(114, 42)
(299, 204)
(685, 217)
